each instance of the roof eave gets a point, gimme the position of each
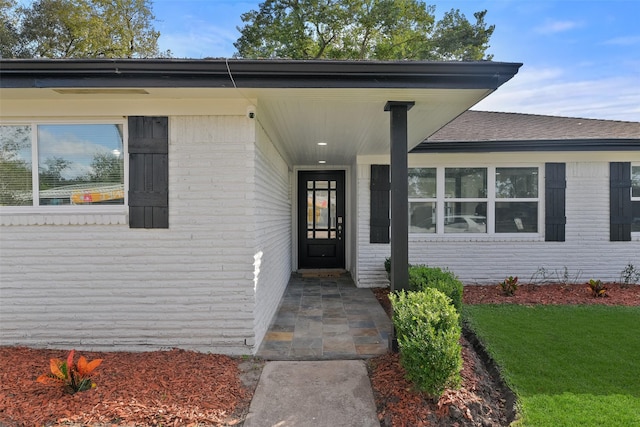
(47, 73)
(528, 145)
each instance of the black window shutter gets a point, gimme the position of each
(380, 204)
(554, 201)
(148, 172)
(620, 201)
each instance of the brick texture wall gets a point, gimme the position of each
(91, 282)
(587, 252)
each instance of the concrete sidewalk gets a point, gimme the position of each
(313, 394)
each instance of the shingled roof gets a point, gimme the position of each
(493, 126)
(484, 131)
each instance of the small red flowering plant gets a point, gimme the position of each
(73, 377)
(509, 286)
(598, 289)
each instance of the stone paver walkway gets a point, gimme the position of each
(323, 318)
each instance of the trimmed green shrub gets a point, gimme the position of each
(387, 266)
(422, 277)
(428, 332)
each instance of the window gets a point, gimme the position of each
(465, 208)
(516, 200)
(486, 200)
(62, 164)
(422, 200)
(635, 198)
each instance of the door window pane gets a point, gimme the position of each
(16, 182)
(465, 183)
(311, 211)
(80, 164)
(332, 209)
(422, 217)
(516, 183)
(322, 204)
(422, 183)
(516, 217)
(465, 217)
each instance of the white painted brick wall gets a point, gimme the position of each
(273, 233)
(103, 286)
(586, 253)
(371, 256)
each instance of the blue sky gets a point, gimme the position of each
(581, 57)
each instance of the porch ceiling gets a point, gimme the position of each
(352, 122)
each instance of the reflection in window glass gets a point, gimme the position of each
(465, 183)
(635, 181)
(465, 217)
(422, 217)
(422, 183)
(635, 216)
(311, 211)
(322, 211)
(16, 187)
(516, 217)
(80, 164)
(332, 208)
(635, 194)
(516, 183)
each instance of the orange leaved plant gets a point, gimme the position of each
(72, 377)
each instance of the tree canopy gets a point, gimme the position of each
(361, 29)
(79, 29)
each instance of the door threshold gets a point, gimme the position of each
(321, 272)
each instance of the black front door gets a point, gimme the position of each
(321, 221)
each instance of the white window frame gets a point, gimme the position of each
(491, 201)
(634, 199)
(443, 200)
(36, 208)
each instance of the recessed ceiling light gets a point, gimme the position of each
(322, 161)
(322, 144)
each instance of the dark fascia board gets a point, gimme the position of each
(216, 73)
(529, 145)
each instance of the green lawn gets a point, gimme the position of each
(569, 365)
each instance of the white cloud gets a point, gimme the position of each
(553, 27)
(77, 151)
(548, 92)
(623, 41)
(200, 42)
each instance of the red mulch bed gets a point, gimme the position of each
(553, 294)
(183, 388)
(177, 388)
